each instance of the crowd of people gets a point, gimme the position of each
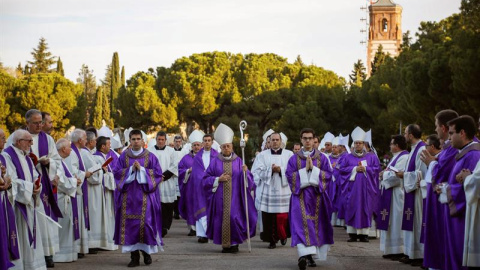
(61, 200)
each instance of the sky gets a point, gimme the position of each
(155, 33)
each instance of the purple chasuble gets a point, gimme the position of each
(454, 210)
(359, 195)
(409, 205)
(310, 207)
(48, 193)
(22, 207)
(138, 217)
(332, 186)
(198, 171)
(11, 227)
(81, 167)
(433, 231)
(340, 182)
(386, 201)
(226, 219)
(76, 230)
(186, 202)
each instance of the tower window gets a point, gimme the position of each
(385, 25)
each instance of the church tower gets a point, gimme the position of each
(385, 29)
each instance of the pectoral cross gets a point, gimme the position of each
(13, 236)
(384, 213)
(274, 190)
(408, 213)
(76, 223)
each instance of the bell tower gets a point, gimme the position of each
(385, 29)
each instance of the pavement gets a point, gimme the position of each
(184, 252)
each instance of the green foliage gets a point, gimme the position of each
(98, 113)
(88, 83)
(60, 67)
(358, 74)
(7, 83)
(42, 58)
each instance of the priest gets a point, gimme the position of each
(138, 220)
(25, 179)
(274, 196)
(224, 184)
(187, 191)
(309, 173)
(389, 219)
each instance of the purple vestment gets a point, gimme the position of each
(310, 207)
(199, 196)
(138, 217)
(226, 219)
(455, 208)
(359, 195)
(433, 229)
(5, 241)
(332, 186)
(81, 167)
(186, 202)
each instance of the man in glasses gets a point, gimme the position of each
(49, 162)
(308, 173)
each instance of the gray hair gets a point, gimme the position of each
(90, 136)
(31, 113)
(18, 135)
(77, 134)
(62, 143)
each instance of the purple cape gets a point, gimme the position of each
(310, 207)
(138, 217)
(186, 202)
(226, 218)
(434, 245)
(359, 195)
(455, 209)
(199, 196)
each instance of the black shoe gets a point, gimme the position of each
(353, 237)
(227, 250)
(405, 260)
(283, 242)
(272, 245)
(49, 261)
(164, 232)
(81, 255)
(192, 233)
(135, 259)
(417, 262)
(311, 261)
(398, 257)
(364, 238)
(203, 240)
(147, 259)
(176, 216)
(234, 249)
(302, 263)
(92, 251)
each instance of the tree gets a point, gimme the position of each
(378, 59)
(98, 112)
(7, 83)
(42, 58)
(60, 67)
(115, 82)
(88, 82)
(122, 79)
(358, 74)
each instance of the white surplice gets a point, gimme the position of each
(391, 241)
(411, 239)
(30, 257)
(166, 158)
(471, 247)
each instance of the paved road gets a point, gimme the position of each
(183, 252)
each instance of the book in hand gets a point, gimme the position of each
(97, 167)
(37, 183)
(108, 161)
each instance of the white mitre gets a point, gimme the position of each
(328, 137)
(196, 136)
(223, 134)
(358, 134)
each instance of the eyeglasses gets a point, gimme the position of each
(136, 139)
(307, 138)
(26, 140)
(37, 123)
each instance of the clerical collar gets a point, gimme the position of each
(20, 151)
(465, 146)
(179, 149)
(229, 157)
(306, 153)
(206, 151)
(276, 152)
(160, 148)
(335, 156)
(136, 153)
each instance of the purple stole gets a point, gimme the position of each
(409, 205)
(22, 207)
(47, 195)
(76, 230)
(386, 201)
(84, 187)
(11, 231)
(100, 154)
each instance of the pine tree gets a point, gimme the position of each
(98, 113)
(19, 70)
(115, 81)
(89, 86)
(358, 74)
(42, 58)
(60, 67)
(378, 59)
(122, 80)
(106, 110)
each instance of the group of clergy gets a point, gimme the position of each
(62, 200)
